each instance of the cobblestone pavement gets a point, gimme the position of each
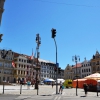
(46, 92)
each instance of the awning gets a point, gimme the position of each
(47, 80)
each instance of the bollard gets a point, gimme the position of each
(3, 87)
(97, 89)
(20, 88)
(97, 92)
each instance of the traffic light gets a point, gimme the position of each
(3, 54)
(55, 69)
(1, 37)
(59, 70)
(53, 33)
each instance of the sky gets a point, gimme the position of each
(77, 23)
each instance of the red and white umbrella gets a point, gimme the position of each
(93, 76)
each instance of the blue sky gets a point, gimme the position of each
(77, 23)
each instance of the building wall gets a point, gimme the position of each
(6, 69)
(68, 73)
(86, 69)
(95, 63)
(47, 69)
(78, 73)
(23, 68)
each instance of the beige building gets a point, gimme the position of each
(23, 67)
(95, 63)
(6, 69)
(68, 72)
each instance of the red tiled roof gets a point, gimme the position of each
(78, 65)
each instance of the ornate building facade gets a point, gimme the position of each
(95, 63)
(68, 72)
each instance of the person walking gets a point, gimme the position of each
(60, 88)
(28, 84)
(85, 86)
(52, 84)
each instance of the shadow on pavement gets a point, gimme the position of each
(82, 96)
(45, 95)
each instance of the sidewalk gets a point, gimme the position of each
(15, 90)
(45, 90)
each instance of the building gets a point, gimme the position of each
(61, 74)
(86, 68)
(47, 70)
(95, 63)
(77, 74)
(68, 72)
(23, 69)
(6, 68)
(1, 9)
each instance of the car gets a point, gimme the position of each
(41, 83)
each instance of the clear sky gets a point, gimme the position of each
(77, 23)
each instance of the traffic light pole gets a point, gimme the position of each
(56, 67)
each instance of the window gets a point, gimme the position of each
(97, 62)
(24, 66)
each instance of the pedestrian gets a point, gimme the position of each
(60, 88)
(85, 86)
(52, 84)
(28, 84)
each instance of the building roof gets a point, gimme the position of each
(46, 61)
(78, 65)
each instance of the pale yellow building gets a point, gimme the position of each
(95, 63)
(68, 72)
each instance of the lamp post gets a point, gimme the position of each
(76, 59)
(37, 68)
(53, 36)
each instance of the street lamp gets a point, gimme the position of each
(53, 36)
(76, 59)
(37, 68)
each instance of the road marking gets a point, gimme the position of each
(57, 98)
(54, 93)
(63, 93)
